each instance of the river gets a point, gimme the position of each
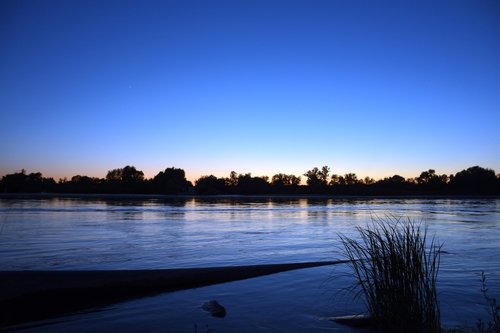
(146, 233)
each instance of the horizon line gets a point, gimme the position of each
(193, 178)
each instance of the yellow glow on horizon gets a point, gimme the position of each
(192, 175)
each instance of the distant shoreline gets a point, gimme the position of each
(239, 196)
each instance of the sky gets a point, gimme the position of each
(372, 87)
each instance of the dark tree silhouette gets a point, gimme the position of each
(426, 177)
(29, 183)
(472, 181)
(252, 185)
(349, 184)
(232, 180)
(475, 180)
(210, 185)
(396, 179)
(281, 180)
(430, 182)
(351, 179)
(317, 178)
(394, 185)
(368, 180)
(14, 182)
(125, 180)
(337, 180)
(114, 175)
(171, 181)
(323, 174)
(81, 184)
(127, 174)
(312, 176)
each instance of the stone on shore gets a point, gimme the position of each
(214, 309)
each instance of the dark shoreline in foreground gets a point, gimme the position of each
(36, 295)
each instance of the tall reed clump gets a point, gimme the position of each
(396, 268)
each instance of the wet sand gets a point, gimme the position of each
(35, 295)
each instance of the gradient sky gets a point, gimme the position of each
(372, 87)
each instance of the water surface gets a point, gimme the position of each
(71, 233)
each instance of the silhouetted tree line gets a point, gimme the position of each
(128, 180)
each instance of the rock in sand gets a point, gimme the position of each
(214, 309)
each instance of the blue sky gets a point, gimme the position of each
(372, 87)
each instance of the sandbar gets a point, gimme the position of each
(36, 295)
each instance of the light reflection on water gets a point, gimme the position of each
(66, 233)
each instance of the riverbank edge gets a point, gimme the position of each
(27, 296)
(47, 195)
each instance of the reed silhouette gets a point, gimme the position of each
(396, 268)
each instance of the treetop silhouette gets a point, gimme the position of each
(475, 180)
